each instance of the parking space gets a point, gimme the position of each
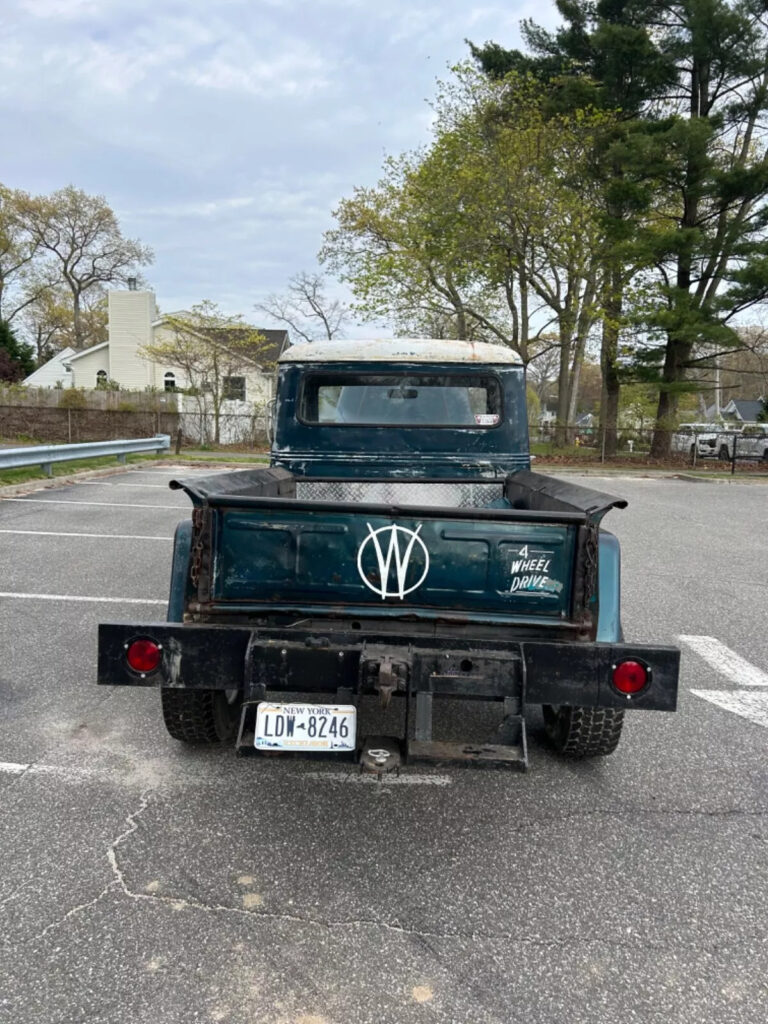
(145, 882)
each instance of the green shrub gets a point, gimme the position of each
(73, 398)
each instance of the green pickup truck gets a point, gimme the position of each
(397, 550)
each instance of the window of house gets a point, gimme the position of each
(169, 381)
(101, 378)
(234, 389)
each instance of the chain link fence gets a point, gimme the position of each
(743, 449)
(190, 429)
(51, 425)
(718, 448)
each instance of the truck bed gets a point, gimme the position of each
(522, 548)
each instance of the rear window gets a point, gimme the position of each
(399, 400)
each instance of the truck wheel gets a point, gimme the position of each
(724, 455)
(200, 716)
(583, 732)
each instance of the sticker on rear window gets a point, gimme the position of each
(486, 419)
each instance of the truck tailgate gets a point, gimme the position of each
(287, 552)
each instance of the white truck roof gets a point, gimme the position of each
(407, 350)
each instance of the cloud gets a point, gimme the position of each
(68, 10)
(209, 208)
(225, 133)
(238, 66)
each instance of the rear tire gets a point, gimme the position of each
(200, 717)
(583, 732)
(724, 455)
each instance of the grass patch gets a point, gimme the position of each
(25, 473)
(219, 456)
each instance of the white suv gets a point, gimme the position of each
(700, 438)
(753, 442)
(712, 441)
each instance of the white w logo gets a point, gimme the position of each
(394, 556)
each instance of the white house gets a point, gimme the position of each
(133, 324)
(53, 374)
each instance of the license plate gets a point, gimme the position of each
(305, 727)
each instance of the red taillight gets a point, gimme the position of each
(630, 676)
(144, 655)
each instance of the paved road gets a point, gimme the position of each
(144, 883)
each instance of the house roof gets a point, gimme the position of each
(56, 360)
(87, 351)
(261, 353)
(406, 350)
(745, 409)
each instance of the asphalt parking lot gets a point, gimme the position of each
(142, 882)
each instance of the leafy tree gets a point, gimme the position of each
(602, 57)
(81, 236)
(16, 359)
(542, 369)
(19, 251)
(401, 268)
(48, 321)
(697, 142)
(492, 228)
(210, 349)
(711, 249)
(306, 309)
(744, 371)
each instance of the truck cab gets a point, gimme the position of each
(398, 547)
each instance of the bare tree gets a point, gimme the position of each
(81, 235)
(214, 352)
(542, 370)
(48, 321)
(306, 309)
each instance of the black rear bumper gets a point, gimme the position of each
(259, 660)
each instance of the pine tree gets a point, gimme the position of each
(602, 57)
(692, 157)
(16, 359)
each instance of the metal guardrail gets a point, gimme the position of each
(44, 455)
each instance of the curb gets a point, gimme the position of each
(648, 474)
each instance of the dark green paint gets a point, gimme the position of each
(346, 451)
(285, 557)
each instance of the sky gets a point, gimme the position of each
(224, 132)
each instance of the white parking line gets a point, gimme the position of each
(67, 773)
(136, 483)
(100, 504)
(60, 771)
(749, 704)
(725, 661)
(355, 777)
(75, 597)
(95, 536)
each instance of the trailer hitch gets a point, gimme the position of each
(382, 672)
